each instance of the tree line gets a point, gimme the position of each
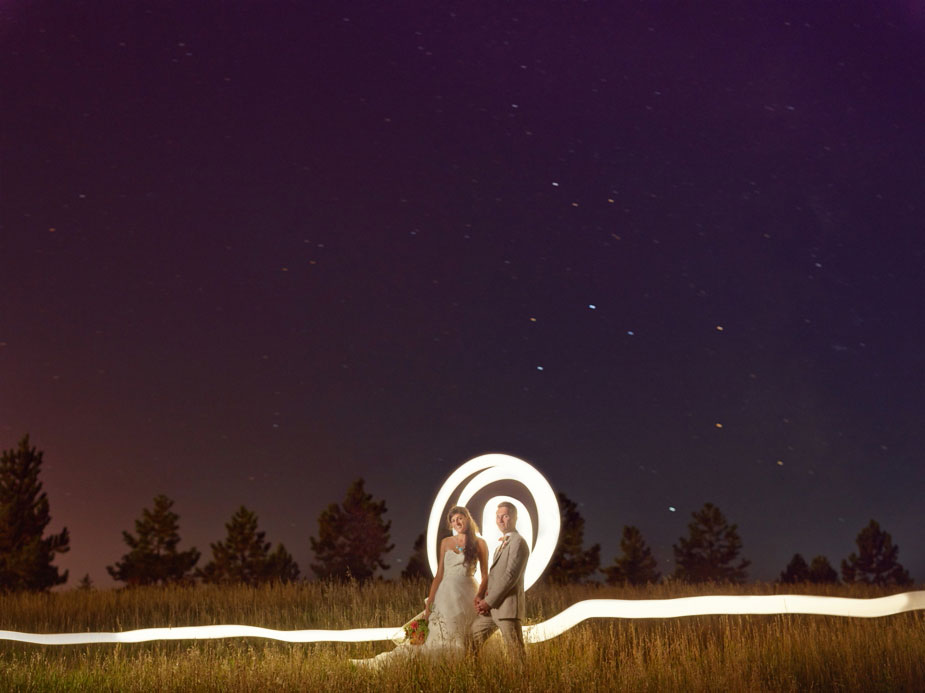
(353, 541)
(711, 552)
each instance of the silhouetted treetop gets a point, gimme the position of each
(711, 550)
(877, 560)
(352, 538)
(244, 557)
(154, 558)
(821, 571)
(571, 562)
(25, 554)
(636, 565)
(796, 571)
(417, 566)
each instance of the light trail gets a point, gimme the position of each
(202, 633)
(714, 605)
(767, 605)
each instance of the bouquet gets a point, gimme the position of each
(416, 630)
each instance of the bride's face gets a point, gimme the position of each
(459, 523)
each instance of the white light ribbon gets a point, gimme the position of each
(539, 632)
(202, 633)
(725, 605)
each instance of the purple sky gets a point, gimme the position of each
(251, 251)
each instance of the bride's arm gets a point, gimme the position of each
(483, 566)
(437, 578)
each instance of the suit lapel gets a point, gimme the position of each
(497, 555)
(500, 550)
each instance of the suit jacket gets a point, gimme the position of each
(505, 592)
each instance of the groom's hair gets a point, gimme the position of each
(511, 508)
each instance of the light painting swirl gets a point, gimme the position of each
(478, 473)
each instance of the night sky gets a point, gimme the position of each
(668, 252)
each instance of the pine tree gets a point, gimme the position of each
(281, 566)
(876, 562)
(796, 570)
(418, 565)
(153, 558)
(353, 538)
(25, 556)
(636, 565)
(711, 549)
(244, 556)
(571, 563)
(821, 571)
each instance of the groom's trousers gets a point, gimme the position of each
(511, 631)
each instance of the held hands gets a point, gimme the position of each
(482, 606)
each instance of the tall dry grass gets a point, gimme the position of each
(710, 653)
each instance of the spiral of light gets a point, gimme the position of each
(488, 469)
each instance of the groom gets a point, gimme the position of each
(503, 605)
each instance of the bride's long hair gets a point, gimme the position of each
(470, 550)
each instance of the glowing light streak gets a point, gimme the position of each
(487, 469)
(202, 633)
(539, 632)
(725, 605)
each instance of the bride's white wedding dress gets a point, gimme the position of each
(451, 616)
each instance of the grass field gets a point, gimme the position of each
(715, 653)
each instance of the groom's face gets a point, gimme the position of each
(504, 519)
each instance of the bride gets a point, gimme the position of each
(450, 605)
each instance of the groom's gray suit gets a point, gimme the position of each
(505, 595)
